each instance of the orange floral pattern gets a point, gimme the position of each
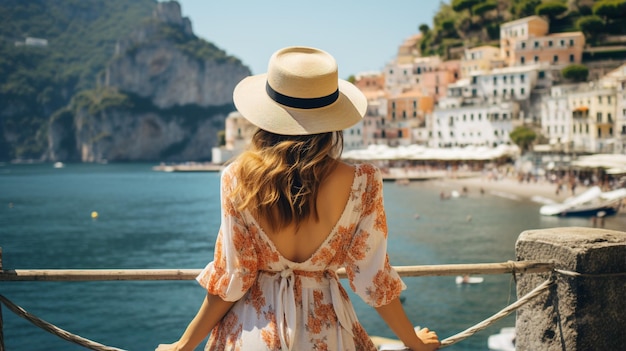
(301, 306)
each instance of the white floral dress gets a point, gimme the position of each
(285, 305)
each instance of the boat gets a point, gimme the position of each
(503, 341)
(591, 203)
(469, 280)
(189, 167)
(58, 165)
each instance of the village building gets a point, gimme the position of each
(480, 59)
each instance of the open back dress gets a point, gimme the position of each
(286, 305)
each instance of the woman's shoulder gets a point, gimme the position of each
(367, 169)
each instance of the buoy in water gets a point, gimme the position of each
(94, 214)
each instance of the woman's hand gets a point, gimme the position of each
(429, 338)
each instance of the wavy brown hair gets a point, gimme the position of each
(278, 177)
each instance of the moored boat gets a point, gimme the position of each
(592, 202)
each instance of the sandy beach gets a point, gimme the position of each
(540, 191)
(512, 187)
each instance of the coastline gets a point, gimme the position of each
(541, 191)
(538, 190)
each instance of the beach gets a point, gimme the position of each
(536, 190)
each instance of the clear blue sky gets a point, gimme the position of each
(362, 35)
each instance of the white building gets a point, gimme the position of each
(353, 137)
(503, 84)
(455, 124)
(556, 117)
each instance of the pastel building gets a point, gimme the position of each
(519, 30)
(372, 86)
(479, 59)
(238, 133)
(593, 111)
(557, 49)
(527, 41)
(617, 80)
(406, 112)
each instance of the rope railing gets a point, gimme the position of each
(189, 274)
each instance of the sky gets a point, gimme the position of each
(363, 35)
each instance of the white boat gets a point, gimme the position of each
(503, 341)
(592, 202)
(58, 165)
(469, 280)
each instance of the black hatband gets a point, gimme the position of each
(301, 102)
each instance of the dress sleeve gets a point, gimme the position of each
(369, 271)
(234, 267)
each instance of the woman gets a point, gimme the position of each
(292, 214)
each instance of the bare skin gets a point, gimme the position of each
(333, 195)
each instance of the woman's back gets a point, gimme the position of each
(298, 243)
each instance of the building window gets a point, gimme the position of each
(609, 118)
(504, 79)
(522, 92)
(562, 42)
(541, 74)
(571, 58)
(495, 81)
(599, 117)
(550, 43)
(536, 44)
(571, 42)
(536, 58)
(495, 92)
(523, 45)
(522, 77)
(556, 58)
(522, 60)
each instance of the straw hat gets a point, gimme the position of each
(300, 94)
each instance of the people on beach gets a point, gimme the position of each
(292, 214)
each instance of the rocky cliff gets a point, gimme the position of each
(164, 96)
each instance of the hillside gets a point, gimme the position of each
(469, 23)
(52, 50)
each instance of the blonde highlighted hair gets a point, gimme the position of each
(278, 177)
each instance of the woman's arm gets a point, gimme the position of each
(210, 313)
(393, 314)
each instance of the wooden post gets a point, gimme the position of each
(0, 263)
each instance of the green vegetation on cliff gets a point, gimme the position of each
(37, 81)
(460, 23)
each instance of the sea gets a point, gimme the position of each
(148, 219)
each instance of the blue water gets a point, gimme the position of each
(150, 219)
